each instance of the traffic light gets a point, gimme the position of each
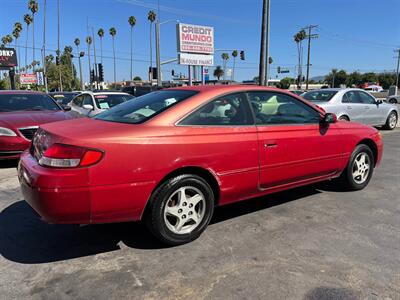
(101, 73)
(270, 60)
(57, 60)
(92, 76)
(279, 70)
(242, 55)
(173, 73)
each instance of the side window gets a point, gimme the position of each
(366, 98)
(351, 97)
(87, 99)
(276, 108)
(227, 110)
(78, 100)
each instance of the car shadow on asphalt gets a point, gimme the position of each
(7, 164)
(25, 238)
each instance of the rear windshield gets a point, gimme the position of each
(145, 107)
(106, 101)
(319, 96)
(27, 102)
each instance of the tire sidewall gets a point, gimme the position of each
(349, 170)
(160, 199)
(388, 120)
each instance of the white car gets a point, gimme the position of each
(355, 105)
(89, 104)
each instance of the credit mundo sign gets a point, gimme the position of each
(195, 38)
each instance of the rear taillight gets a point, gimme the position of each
(68, 156)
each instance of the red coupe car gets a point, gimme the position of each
(21, 112)
(171, 156)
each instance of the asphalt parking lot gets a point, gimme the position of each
(309, 243)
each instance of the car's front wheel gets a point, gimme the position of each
(391, 121)
(180, 209)
(359, 170)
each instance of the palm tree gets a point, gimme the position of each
(33, 7)
(89, 42)
(100, 33)
(16, 33)
(225, 57)
(7, 39)
(28, 21)
(132, 22)
(218, 72)
(113, 32)
(298, 38)
(151, 16)
(77, 42)
(234, 55)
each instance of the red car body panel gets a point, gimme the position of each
(22, 119)
(245, 161)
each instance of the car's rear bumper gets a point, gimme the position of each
(64, 196)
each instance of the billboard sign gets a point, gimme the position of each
(28, 78)
(196, 59)
(195, 38)
(8, 58)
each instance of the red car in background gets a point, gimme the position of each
(21, 113)
(171, 156)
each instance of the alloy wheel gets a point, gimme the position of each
(361, 168)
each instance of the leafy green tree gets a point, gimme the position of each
(336, 78)
(137, 78)
(369, 77)
(68, 74)
(386, 80)
(354, 79)
(285, 83)
(225, 58)
(234, 55)
(218, 72)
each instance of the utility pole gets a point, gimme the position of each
(95, 61)
(267, 43)
(158, 60)
(261, 73)
(398, 65)
(310, 36)
(58, 45)
(44, 48)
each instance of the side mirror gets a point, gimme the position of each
(378, 102)
(329, 118)
(66, 108)
(88, 106)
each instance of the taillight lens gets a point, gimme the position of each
(68, 156)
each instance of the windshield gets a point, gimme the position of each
(28, 102)
(145, 107)
(64, 98)
(105, 101)
(319, 96)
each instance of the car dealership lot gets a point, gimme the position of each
(306, 243)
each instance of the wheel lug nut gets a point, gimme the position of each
(179, 211)
(190, 213)
(184, 217)
(184, 204)
(190, 205)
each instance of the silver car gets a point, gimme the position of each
(355, 105)
(89, 104)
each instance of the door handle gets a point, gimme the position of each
(349, 107)
(268, 144)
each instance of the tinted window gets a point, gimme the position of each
(106, 101)
(87, 100)
(227, 110)
(64, 98)
(319, 96)
(29, 102)
(276, 108)
(145, 107)
(78, 100)
(351, 97)
(365, 98)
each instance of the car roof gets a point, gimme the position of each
(224, 87)
(105, 92)
(11, 92)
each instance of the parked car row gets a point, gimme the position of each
(169, 157)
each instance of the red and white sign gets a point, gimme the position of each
(195, 39)
(28, 78)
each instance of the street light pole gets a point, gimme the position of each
(158, 56)
(261, 73)
(398, 66)
(267, 43)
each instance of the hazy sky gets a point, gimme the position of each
(353, 34)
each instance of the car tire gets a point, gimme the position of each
(344, 118)
(186, 198)
(391, 121)
(359, 170)
(392, 101)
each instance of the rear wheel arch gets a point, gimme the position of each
(344, 116)
(205, 174)
(374, 148)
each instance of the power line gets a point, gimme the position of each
(310, 36)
